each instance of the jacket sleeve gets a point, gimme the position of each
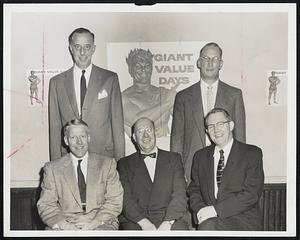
(131, 209)
(55, 125)
(178, 203)
(113, 199)
(195, 197)
(117, 120)
(48, 207)
(177, 132)
(239, 119)
(251, 192)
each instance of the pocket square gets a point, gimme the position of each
(102, 94)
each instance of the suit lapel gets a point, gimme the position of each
(95, 84)
(142, 173)
(93, 173)
(221, 96)
(161, 169)
(228, 170)
(198, 115)
(69, 175)
(210, 172)
(70, 89)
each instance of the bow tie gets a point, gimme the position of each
(152, 155)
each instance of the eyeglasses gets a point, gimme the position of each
(211, 127)
(208, 59)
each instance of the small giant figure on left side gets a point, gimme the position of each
(34, 82)
(274, 81)
(81, 190)
(154, 184)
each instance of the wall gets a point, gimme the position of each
(253, 44)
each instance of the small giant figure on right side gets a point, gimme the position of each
(274, 81)
(193, 103)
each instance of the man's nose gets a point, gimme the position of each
(82, 51)
(79, 141)
(145, 134)
(210, 62)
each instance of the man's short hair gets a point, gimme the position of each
(80, 30)
(212, 44)
(216, 110)
(75, 122)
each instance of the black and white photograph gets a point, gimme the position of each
(159, 120)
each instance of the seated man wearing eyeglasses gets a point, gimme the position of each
(226, 179)
(154, 184)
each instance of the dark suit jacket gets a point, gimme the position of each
(164, 199)
(60, 193)
(188, 129)
(241, 185)
(104, 116)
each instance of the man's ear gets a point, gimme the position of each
(231, 125)
(198, 63)
(221, 64)
(89, 138)
(66, 140)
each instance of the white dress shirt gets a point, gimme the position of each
(77, 72)
(226, 150)
(83, 164)
(151, 164)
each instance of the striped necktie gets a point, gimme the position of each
(220, 168)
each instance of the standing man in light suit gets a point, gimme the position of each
(193, 103)
(227, 179)
(90, 93)
(81, 190)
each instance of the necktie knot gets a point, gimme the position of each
(79, 162)
(221, 152)
(83, 72)
(152, 155)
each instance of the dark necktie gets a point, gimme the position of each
(220, 168)
(152, 155)
(81, 182)
(82, 89)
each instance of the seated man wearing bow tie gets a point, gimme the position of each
(226, 179)
(81, 190)
(154, 184)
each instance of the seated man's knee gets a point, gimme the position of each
(180, 225)
(129, 226)
(209, 224)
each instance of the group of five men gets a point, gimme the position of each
(92, 186)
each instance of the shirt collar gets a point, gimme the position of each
(154, 151)
(204, 85)
(79, 70)
(75, 159)
(226, 148)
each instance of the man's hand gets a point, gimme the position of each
(205, 213)
(165, 226)
(88, 225)
(64, 225)
(146, 225)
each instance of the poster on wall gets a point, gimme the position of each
(150, 75)
(276, 88)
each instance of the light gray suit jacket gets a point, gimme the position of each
(188, 129)
(102, 111)
(60, 193)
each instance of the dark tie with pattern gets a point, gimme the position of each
(81, 182)
(82, 89)
(152, 155)
(220, 167)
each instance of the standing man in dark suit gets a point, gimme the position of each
(88, 92)
(193, 103)
(154, 184)
(227, 179)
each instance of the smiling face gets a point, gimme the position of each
(144, 135)
(78, 139)
(210, 63)
(219, 129)
(82, 48)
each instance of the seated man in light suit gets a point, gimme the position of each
(154, 185)
(227, 179)
(81, 190)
